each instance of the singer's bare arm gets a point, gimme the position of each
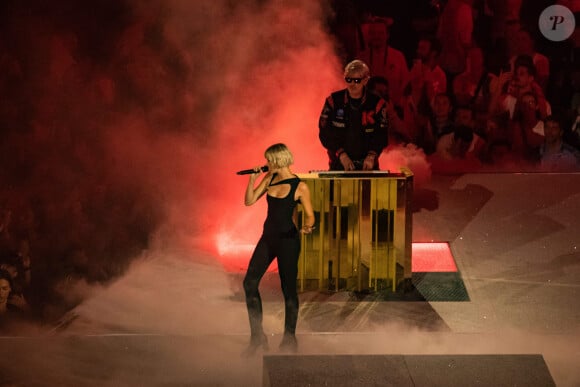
(303, 193)
(255, 193)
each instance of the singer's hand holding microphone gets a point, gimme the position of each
(253, 170)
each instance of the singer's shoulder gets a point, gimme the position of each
(301, 185)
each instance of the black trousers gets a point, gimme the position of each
(287, 250)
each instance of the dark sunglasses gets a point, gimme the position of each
(355, 80)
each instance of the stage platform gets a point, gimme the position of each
(178, 319)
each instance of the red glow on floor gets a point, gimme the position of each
(433, 257)
(234, 253)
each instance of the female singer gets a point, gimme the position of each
(280, 239)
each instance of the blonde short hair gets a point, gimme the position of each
(357, 66)
(279, 156)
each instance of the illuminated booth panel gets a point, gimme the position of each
(363, 235)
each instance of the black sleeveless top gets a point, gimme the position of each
(280, 210)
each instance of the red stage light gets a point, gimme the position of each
(433, 257)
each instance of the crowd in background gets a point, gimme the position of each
(473, 83)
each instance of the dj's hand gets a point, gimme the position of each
(369, 163)
(346, 162)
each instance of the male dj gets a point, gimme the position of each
(353, 125)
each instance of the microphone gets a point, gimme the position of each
(250, 171)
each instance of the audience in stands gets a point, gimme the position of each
(493, 86)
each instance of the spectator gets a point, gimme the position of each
(5, 221)
(11, 264)
(11, 315)
(428, 52)
(527, 128)
(570, 91)
(419, 94)
(455, 158)
(523, 44)
(346, 27)
(382, 59)
(503, 11)
(474, 85)
(438, 123)
(463, 117)
(380, 86)
(499, 157)
(5, 290)
(399, 133)
(455, 33)
(555, 154)
(512, 86)
(574, 7)
(25, 262)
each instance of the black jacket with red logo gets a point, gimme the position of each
(357, 127)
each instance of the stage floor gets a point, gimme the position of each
(178, 319)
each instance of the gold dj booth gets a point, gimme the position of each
(362, 240)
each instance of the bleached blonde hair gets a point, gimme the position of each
(357, 66)
(279, 155)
